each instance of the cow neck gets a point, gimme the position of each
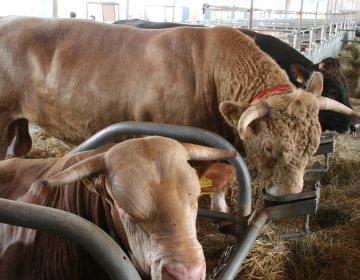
(107, 210)
(277, 88)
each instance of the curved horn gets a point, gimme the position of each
(79, 171)
(332, 105)
(256, 111)
(197, 152)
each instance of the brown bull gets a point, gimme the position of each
(75, 77)
(145, 187)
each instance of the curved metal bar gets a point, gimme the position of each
(84, 233)
(184, 133)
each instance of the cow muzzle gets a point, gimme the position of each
(191, 272)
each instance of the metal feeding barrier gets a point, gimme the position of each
(316, 38)
(326, 147)
(52, 220)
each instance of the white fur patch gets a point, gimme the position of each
(218, 202)
(275, 191)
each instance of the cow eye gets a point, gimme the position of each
(331, 94)
(268, 148)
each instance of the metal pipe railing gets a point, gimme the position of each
(191, 134)
(242, 249)
(84, 233)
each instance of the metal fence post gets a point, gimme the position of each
(296, 40)
(323, 34)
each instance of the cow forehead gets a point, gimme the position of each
(293, 125)
(335, 80)
(146, 196)
(154, 157)
(149, 175)
(299, 100)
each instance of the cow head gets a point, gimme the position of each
(282, 132)
(335, 87)
(153, 191)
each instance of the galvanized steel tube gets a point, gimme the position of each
(84, 233)
(299, 26)
(251, 17)
(216, 215)
(243, 248)
(184, 133)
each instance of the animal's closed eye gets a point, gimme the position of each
(268, 148)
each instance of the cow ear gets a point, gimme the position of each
(232, 111)
(315, 85)
(215, 176)
(300, 74)
(84, 169)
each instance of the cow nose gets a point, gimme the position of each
(194, 272)
(354, 128)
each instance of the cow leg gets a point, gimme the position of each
(218, 203)
(7, 134)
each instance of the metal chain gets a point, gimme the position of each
(256, 193)
(224, 257)
(318, 185)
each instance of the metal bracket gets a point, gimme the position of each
(326, 147)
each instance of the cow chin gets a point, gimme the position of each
(164, 255)
(280, 190)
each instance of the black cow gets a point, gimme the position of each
(298, 68)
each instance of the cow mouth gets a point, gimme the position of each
(353, 129)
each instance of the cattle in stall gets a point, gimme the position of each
(144, 186)
(59, 76)
(298, 68)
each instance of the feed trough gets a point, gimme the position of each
(295, 205)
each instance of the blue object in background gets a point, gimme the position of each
(185, 13)
(207, 15)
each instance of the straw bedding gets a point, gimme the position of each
(349, 58)
(330, 251)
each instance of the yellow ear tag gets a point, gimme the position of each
(87, 183)
(233, 117)
(205, 182)
(300, 79)
(205, 193)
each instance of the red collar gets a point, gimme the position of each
(279, 88)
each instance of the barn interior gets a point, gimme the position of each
(330, 246)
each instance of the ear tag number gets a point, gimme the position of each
(87, 183)
(233, 117)
(205, 182)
